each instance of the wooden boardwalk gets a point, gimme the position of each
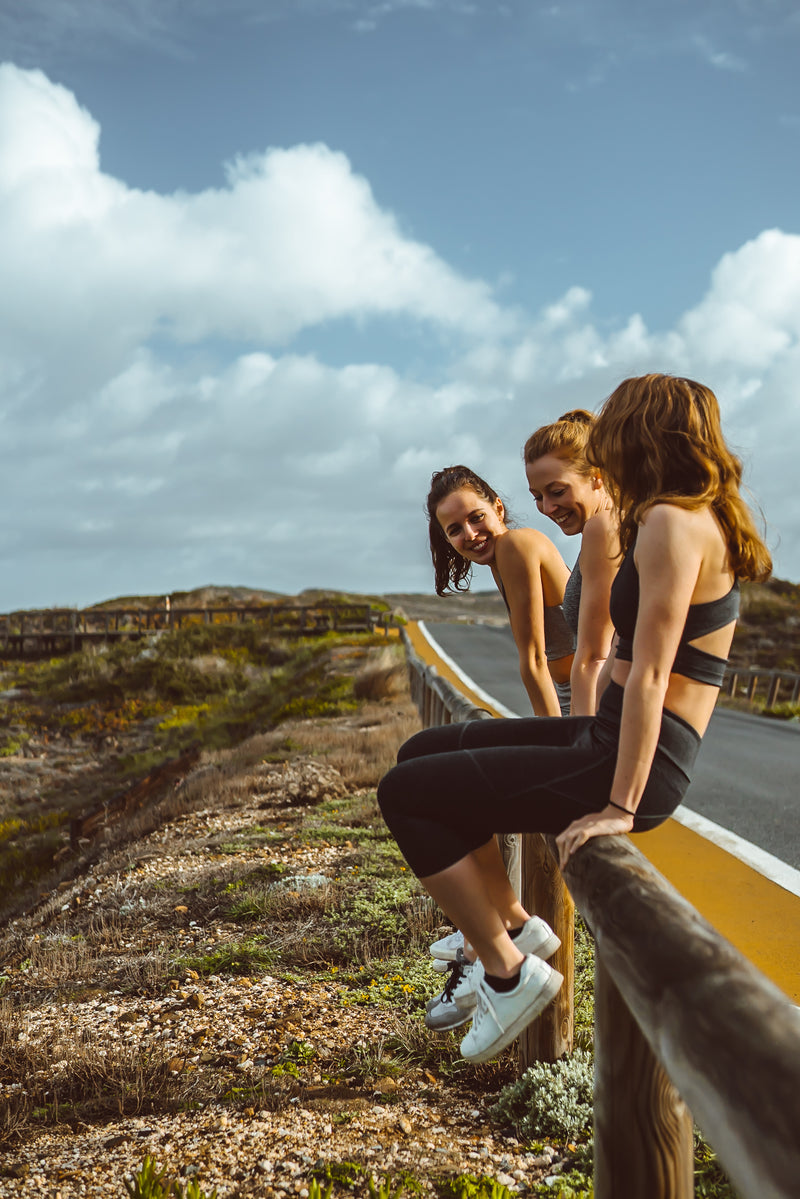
(48, 632)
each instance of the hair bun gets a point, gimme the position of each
(579, 416)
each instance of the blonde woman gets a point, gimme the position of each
(570, 492)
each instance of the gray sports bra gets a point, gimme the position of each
(558, 639)
(572, 599)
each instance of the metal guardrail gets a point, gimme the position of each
(684, 1025)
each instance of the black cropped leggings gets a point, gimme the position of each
(456, 785)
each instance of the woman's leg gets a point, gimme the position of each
(482, 734)
(465, 892)
(446, 805)
(499, 891)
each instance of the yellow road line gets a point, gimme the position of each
(426, 652)
(757, 915)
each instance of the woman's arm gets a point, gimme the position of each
(599, 564)
(604, 677)
(518, 563)
(668, 560)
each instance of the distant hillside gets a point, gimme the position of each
(768, 633)
(200, 597)
(214, 595)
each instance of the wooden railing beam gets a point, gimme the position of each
(727, 1037)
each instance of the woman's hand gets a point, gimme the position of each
(596, 824)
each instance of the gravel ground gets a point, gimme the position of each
(225, 1029)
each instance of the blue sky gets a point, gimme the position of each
(268, 265)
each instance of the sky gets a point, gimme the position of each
(266, 265)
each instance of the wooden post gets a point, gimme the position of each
(511, 850)
(544, 893)
(643, 1145)
(773, 689)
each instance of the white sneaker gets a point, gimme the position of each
(447, 948)
(501, 1016)
(535, 936)
(455, 1005)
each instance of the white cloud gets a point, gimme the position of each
(722, 60)
(161, 430)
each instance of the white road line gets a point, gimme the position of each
(756, 858)
(456, 669)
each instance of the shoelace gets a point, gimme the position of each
(455, 977)
(484, 1008)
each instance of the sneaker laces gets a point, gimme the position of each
(457, 970)
(484, 1008)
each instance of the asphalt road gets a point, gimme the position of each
(747, 777)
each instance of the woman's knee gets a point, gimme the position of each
(430, 741)
(390, 792)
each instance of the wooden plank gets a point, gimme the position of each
(726, 1036)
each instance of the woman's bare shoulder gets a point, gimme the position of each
(529, 542)
(667, 520)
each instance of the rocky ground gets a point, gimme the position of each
(131, 983)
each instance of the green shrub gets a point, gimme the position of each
(242, 957)
(551, 1099)
(784, 711)
(376, 917)
(467, 1186)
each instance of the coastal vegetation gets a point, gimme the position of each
(208, 927)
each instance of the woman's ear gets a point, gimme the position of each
(597, 482)
(499, 509)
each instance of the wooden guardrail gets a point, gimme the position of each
(685, 1027)
(749, 681)
(63, 630)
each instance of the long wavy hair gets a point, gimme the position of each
(658, 439)
(451, 571)
(566, 437)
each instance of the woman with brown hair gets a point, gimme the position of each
(688, 538)
(467, 527)
(570, 491)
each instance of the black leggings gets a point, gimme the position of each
(456, 785)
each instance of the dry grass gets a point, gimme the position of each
(382, 676)
(54, 1078)
(78, 954)
(362, 747)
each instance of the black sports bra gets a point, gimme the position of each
(691, 662)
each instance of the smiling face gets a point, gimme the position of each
(562, 493)
(471, 524)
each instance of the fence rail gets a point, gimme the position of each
(685, 1026)
(772, 684)
(61, 630)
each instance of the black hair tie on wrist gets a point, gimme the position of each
(627, 811)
